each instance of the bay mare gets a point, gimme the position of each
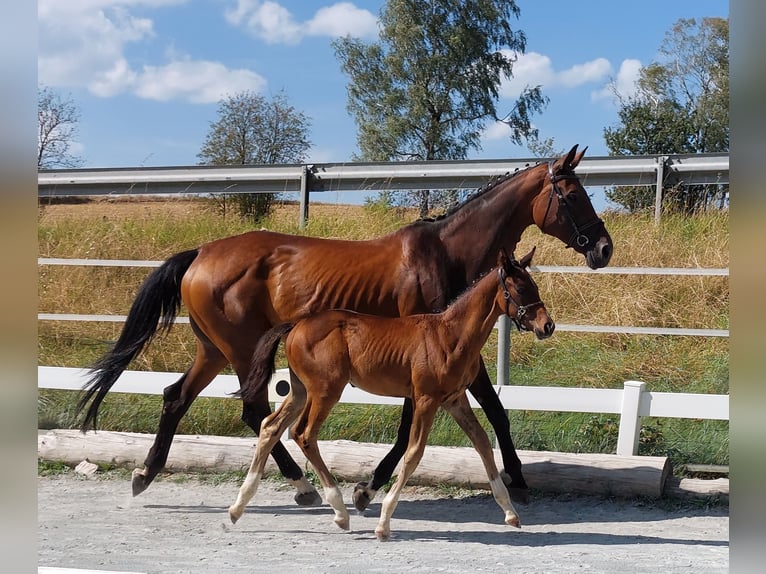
(237, 288)
(428, 358)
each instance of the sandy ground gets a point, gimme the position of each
(180, 525)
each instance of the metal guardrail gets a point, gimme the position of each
(366, 176)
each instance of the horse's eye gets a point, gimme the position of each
(572, 196)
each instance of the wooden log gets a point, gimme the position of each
(602, 474)
(697, 487)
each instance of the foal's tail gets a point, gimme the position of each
(262, 363)
(153, 311)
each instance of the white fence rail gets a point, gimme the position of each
(631, 402)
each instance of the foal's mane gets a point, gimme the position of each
(490, 185)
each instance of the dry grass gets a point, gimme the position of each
(154, 230)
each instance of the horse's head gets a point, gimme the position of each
(519, 296)
(563, 209)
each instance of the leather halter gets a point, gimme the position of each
(521, 310)
(578, 236)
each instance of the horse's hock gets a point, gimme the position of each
(555, 472)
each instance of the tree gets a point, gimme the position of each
(57, 119)
(253, 130)
(425, 90)
(681, 106)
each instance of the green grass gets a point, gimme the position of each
(665, 363)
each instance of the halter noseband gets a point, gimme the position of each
(578, 236)
(521, 310)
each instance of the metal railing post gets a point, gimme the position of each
(304, 201)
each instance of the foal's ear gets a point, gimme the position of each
(527, 259)
(502, 258)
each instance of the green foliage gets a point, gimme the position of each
(681, 106)
(426, 89)
(253, 130)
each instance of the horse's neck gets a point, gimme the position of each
(472, 316)
(496, 218)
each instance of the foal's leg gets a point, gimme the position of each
(461, 411)
(486, 396)
(305, 433)
(364, 492)
(423, 418)
(177, 398)
(273, 427)
(254, 414)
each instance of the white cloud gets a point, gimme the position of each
(273, 23)
(625, 82)
(532, 69)
(199, 82)
(83, 43)
(593, 71)
(496, 131)
(343, 19)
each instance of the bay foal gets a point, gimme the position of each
(429, 358)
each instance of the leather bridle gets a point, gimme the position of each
(578, 236)
(521, 310)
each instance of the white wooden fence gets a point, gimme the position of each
(632, 402)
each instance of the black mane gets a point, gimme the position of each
(491, 184)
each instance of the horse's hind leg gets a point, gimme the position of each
(485, 394)
(273, 427)
(254, 415)
(177, 398)
(364, 492)
(460, 409)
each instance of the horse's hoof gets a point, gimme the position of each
(234, 516)
(520, 495)
(308, 498)
(343, 523)
(361, 496)
(383, 534)
(513, 521)
(138, 483)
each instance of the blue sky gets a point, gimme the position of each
(147, 75)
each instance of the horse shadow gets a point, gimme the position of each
(482, 509)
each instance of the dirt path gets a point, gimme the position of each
(180, 525)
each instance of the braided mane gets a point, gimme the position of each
(491, 184)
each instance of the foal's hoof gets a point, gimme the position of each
(520, 495)
(361, 496)
(138, 483)
(308, 498)
(234, 514)
(512, 520)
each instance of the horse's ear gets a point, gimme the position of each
(578, 156)
(570, 157)
(527, 259)
(502, 258)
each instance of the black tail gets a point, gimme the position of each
(153, 311)
(262, 363)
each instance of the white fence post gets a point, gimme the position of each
(630, 420)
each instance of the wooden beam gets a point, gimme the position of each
(603, 474)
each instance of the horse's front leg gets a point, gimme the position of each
(364, 492)
(486, 396)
